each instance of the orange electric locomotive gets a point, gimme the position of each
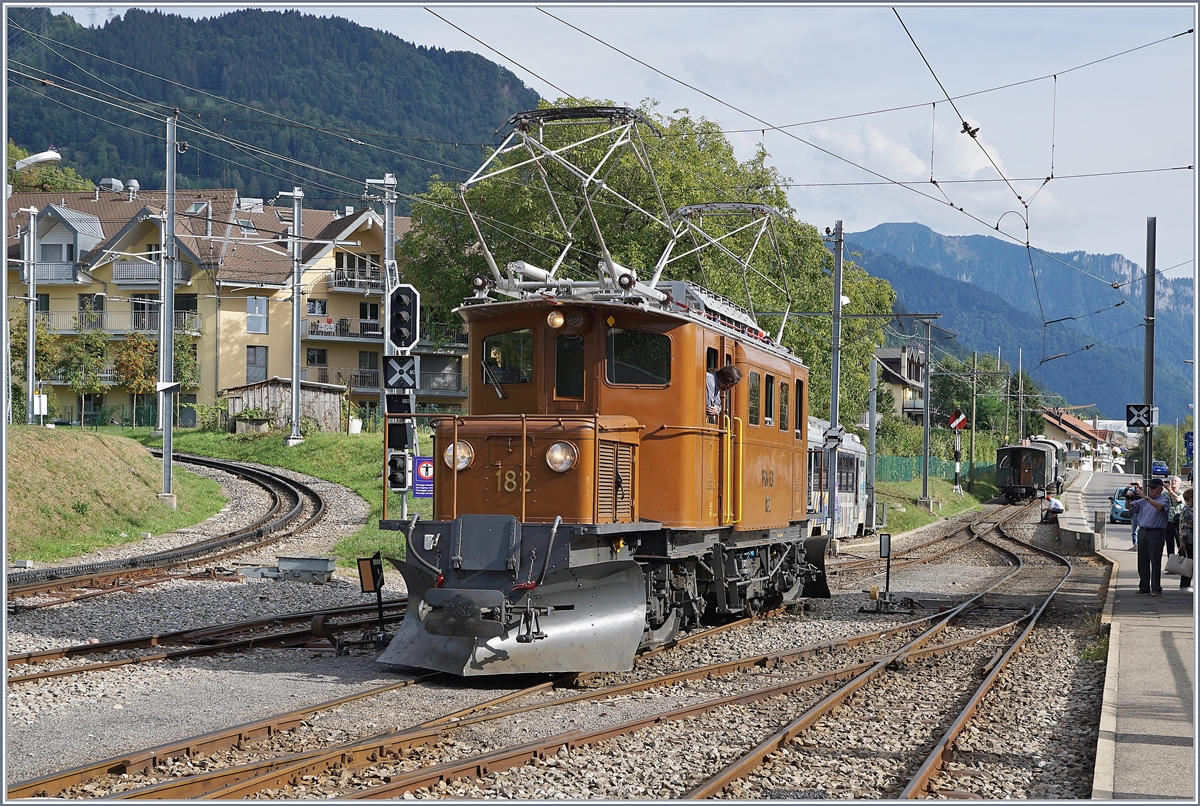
(590, 505)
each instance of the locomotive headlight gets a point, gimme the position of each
(555, 319)
(562, 456)
(459, 456)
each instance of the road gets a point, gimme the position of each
(1096, 490)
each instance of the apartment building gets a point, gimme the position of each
(97, 267)
(901, 370)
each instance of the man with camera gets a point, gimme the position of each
(1151, 512)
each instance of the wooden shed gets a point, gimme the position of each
(322, 402)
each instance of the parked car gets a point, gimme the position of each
(1117, 513)
(1159, 468)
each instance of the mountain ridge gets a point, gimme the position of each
(1084, 361)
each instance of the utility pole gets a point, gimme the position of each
(971, 449)
(872, 516)
(5, 403)
(1020, 396)
(925, 435)
(832, 443)
(31, 304)
(1148, 396)
(391, 282)
(297, 194)
(166, 331)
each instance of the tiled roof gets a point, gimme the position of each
(113, 211)
(212, 234)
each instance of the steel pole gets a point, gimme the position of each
(925, 417)
(971, 455)
(167, 326)
(1020, 395)
(5, 404)
(31, 304)
(872, 516)
(295, 437)
(835, 375)
(1148, 433)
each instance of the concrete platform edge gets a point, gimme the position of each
(1106, 744)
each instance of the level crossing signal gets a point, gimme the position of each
(1138, 415)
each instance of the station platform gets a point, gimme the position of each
(1147, 749)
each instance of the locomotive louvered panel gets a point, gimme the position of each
(614, 486)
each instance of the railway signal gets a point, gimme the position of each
(398, 463)
(958, 420)
(404, 327)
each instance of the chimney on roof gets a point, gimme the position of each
(133, 186)
(115, 185)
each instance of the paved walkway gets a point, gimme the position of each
(1147, 746)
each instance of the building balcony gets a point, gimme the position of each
(54, 273)
(359, 381)
(917, 405)
(108, 377)
(328, 327)
(442, 384)
(356, 281)
(356, 380)
(142, 272)
(66, 322)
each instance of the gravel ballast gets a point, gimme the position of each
(64, 722)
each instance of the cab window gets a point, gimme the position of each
(755, 393)
(783, 405)
(638, 357)
(508, 357)
(769, 401)
(568, 366)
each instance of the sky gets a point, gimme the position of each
(1101, 98)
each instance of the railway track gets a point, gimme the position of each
(479, 743)
(232, 637)
(294, 508)
(279, 769)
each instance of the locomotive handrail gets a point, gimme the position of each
(741, 467)
(727, 467)
(524, 468)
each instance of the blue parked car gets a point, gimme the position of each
(1159, 468)
(1117, 513)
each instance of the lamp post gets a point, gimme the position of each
(31, 304)
(50, 156)
(297, 194)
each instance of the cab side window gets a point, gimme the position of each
(755, 393)
(508, 357)
(783, 405)
(769, 401)
(638, 357)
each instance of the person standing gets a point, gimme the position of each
(1134, 490)
(1174, 492)
(1186, 536)
(1152, 525)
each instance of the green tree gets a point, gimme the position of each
(81, 360)
(693, 163)
(187, 362)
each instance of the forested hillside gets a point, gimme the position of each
(328, 93)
